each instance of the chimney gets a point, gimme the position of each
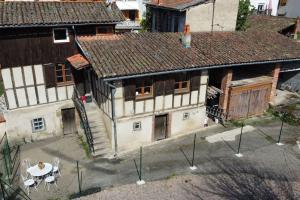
(297, 28)
(187, 37)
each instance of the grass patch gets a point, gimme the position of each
(171, 176)
(85, 146)
(288, 117)
(1, 88)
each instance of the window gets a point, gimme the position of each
(104, 30)
(186, 116)
(137, 126)
(38, 124)
(260, 7)
(182, 84)
(144, 89)
(63, 73)
(60, 35)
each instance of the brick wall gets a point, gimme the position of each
(275, 75)
(226, 81)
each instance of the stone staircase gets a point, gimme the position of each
(102, 144)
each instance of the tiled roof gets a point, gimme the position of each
(175, 4)
(15, 14)
(130, 54)
(270, 23)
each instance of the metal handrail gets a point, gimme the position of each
(84, 119)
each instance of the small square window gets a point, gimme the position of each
(38, 124)
(137, 126)
(186, 116)
(60, 35)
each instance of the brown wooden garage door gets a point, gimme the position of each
(248, 100)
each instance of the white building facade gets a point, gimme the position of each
(263, 5)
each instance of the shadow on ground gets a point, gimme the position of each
(229, 180)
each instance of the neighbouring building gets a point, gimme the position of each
(201, 15)
(289, 8)
(134, 12)
(156, 92)
(36, 38)
(265, 7)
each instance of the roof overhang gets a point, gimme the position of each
(78, 61)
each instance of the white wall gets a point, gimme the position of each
(18, 122)
(255, 4)
(25, 86)
(144, 111)
(200, 17)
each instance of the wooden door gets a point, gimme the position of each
(248, 100)
(161, 127)
(68, 118)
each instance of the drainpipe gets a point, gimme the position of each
(113, 115)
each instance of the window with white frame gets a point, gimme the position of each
(60, 35)
(38, 124)
(137, 126)
(186, 115)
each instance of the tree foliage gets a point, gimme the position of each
(245, 9)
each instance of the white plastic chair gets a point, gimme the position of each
(49, 180)
(56, 166)
(28, 182)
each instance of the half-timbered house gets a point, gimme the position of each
(152, 86)
(36, 38)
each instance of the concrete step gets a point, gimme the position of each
(102, 146)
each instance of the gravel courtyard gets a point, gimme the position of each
(166, 169)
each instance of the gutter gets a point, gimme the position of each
(57, 25)
(198, 68)
(113, 115)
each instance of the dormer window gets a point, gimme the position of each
(60, 35)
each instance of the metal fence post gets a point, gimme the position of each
(79, 184)
(280, 132)
(141, 151)
(194, 150)
(238, 154)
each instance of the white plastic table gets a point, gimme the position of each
(37, 172)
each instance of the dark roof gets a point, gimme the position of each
(270, 23)
(130, 54)
(16, 14)
(175, 4)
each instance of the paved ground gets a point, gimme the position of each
(166, 160)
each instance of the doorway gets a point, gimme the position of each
(161, 127)
(68, 118)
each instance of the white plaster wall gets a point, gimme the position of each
(11, 99)
(200, 17)
(177, 101)
(185, 99)
(128, 138)
(70, 90)
(129, 108)
(42, 94)
(62, 93)
(119, 107)
(17, 74)
(159, 103)
(18, 122)
(28, 75)
(168, 101)
(202, 96)
(39, 74)
(21, 97)
(31, 96)
(139, 107)
(51, 94)
(149, 105)
(194, 97)
(194, 122)
(6, 76)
